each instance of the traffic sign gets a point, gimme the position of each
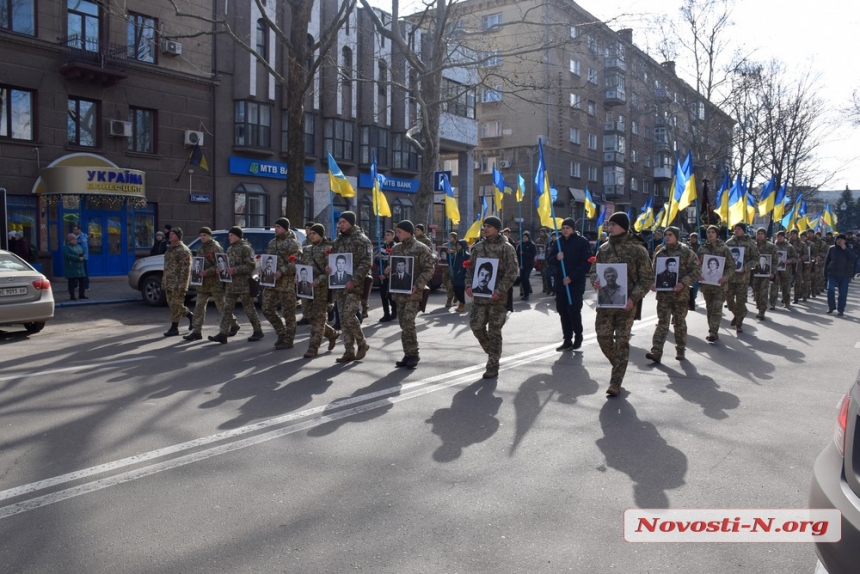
(438, 184)
(198, 198)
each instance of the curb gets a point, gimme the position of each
(100, 302)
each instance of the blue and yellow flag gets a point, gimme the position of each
(751, 205)
(737, 203)
(337, 182)
(688, 193)
(521, 188)
(380, 203)
(828, 217)
(646, 216)
(474, 232)
(600, 221)
(452, 212)
(543, 196)
(779, 203)
(791, 217)
(197, 158)
(501, 188)
(722, 202)
(767, 197)
(590, 206)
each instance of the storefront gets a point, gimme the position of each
(108, 202)
(399, 201)
(253, 202)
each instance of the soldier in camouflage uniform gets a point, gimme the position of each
(782, 282)
(808, 266)
(421, 237)
(801, 265)
(715, 295)
(673, 305)
(739, 283)
(284, 291)
(348, 300)
(407, 305)
(175, 279)
(819, 248)
(315, 253)
(613, 325)
(761, 285)
(241, 264)
(212, 288)
(446, 275)
(488, 314)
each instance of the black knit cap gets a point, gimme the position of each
(349, 216)
(494, 221)
(420, 226)
(620, 219)
(237, 231)
(319, 229)
(569, 222)
(406, 226)
(205, 230)
(283, 222)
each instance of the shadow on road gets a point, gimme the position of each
(470, 419)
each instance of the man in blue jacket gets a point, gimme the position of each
(839, 267)
(571, 267)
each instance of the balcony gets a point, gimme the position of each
(613, 190)
(616, 157)
(613, 127)
(614, 97)
(614, 63)
(94, 62)
(662, 173)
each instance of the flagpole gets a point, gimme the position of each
(331, 201)
(558, 244)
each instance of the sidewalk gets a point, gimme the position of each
(102, 290)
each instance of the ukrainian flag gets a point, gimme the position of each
(452, 212)
(543, 195)
(600, 221)
(380, 204)
(337, 182)
(737, 203)
(779, 203)
(521, 188)
(723, 198)
(828, 217)
(766, 198)
(688, 193)
(646, 217)
(590, 206)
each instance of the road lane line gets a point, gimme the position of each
(76, 368)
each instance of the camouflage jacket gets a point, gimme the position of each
(750, 257)
(177, 267)
(801, 248)
(423, 268)
(316, 255)
(207, 251)
(789, 259)
(718, 249)
(766, 248)
(357, 243)
(284, 248)
(425, 240)
(625, 248)
(240, 257)
(689, 268)
(822, 249)
(506, 273)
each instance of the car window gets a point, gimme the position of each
(9, 262)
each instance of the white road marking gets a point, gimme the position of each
(75, 368)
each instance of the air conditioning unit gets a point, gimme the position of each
(171, 48)
(193, 138)
(505, 163)
(120, 129)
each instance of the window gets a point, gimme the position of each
(16, 113)
(346, 82)
(575, 101)
(634, 156)
(574, 32)
(574, 135)
(634, 127)
(697, 110)
(491, 59)
(143, 124)
(310, 130)
(575, 169)
(661, 135)
(83, 25)
(307, 212)
(368, 220)
(141, 37)
(373, 140)
(18, 16)
(646, 188)
(253, 124)
(491, 22)
(405, 156)
(592, 107)
(401, 209)
(634, 185)
(592, 142)
(249, 205)
(592, 76)
(261, 40)
(592, 173)
(634, 99)
(574, 67)
(592, 45)
(613, 175)
(614, 142)
(459, 100)
(491, 129)
(646, 160)
(82, 122)
(339, 138)
(489, 95)
(646, 132)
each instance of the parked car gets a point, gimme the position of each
(836, 484)
(145, 275)
(26, 297)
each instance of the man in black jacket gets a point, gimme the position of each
(572, 266)
(526, 253)
(839, 267)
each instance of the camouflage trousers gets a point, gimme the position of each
(714, 299)
(761, 290)
(486, 322)
(314, 311)
(247, 305)
(781, 285)
(801, 283)
(407, 311)
(449, 287)
(200, 308)
(736, 299)
(674, 307)
(348, 304)
(613, 335)
(176, 302)
(819, 283)
(287, 299)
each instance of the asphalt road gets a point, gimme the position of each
(123, 451)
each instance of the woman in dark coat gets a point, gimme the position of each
(458, 273)
(73, 259)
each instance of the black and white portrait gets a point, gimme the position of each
(666, 273)
(712, 269)
(541, 252)
(222, 265)
(197, 271)
(341, 270)
(781, 260)
(304, 281)
(268, 267)
(764, 266)
(400, 278)
(613, 285)
(484, 277)
(738, 256)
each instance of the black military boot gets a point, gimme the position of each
(173, 331)
(219, 338)
(255, 336)
(190, 317)
(193, 336)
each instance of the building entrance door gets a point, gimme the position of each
(108, 254)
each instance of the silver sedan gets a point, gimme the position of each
(26, 297)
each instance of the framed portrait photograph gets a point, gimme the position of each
(304, 281)
(484, 278)
(613, 285)
(781, 260)
(222, 264)
(666, 273)
(541, 252)
(401, 274)
(341, 267)
(197, 271)
(712, 269)
(764, 267)
(268, 267)
(738, 256)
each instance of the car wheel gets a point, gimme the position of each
(151, 291)
(34, 327)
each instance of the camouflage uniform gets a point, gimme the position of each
(284, 291)
(487, 317)
(174, 281)
(407, 305)
(315, 309)
(675, 304)
(240, 257)
(613, 325)
(783, 278)
(739, 283)
(348, 301)
(715, 295)
(818, 280)
(446, 274)
(801, 267)
(761, 285)
(212, 287)
(426, 241)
